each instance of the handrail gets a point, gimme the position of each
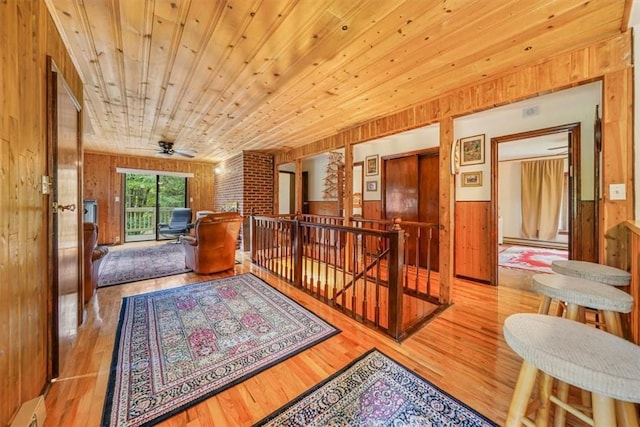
(354, 269)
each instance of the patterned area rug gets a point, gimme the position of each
(530, 258)
(141, 263)
(177, 347)
(374, 390)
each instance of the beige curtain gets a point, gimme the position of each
(541, 198)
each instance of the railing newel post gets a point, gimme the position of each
(396, 262)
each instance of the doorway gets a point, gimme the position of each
(64, 146)
(149, 201)
(513, 156)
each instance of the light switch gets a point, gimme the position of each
(617, 192)
(117, 199)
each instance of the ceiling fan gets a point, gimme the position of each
(167, 150)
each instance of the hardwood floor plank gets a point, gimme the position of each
(461, 351)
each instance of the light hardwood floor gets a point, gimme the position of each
(462, 351)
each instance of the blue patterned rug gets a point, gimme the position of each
(374, 390)
(141, 263)
(177, 347)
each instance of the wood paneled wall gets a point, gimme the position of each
(472, 225)
(103, 183)
(27, 36)
(323, 207)
(372, 209)
(610, 60)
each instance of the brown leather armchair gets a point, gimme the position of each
(212, 248)
(93, 256)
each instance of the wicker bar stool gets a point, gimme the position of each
(592, 271)
(603, 364)
(579, 294)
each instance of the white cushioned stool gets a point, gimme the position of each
(592, 271)
(578, 294)
(593, 360)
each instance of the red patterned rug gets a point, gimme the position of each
(530, 258)
(179, 346)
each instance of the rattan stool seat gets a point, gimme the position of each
(577, 354)
(592, 271)
(582, 292)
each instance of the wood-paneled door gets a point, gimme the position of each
(410, 189)
(65, 219)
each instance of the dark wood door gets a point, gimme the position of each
(411, 193)
(429, 189)
(67, 266)
(401, 197)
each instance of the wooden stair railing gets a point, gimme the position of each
(359, 271)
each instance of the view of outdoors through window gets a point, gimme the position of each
(149, 200)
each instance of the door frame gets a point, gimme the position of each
(575, 191)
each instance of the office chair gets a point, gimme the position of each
(179, 224)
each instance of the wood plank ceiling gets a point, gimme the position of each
(219, 77)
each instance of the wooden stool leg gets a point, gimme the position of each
(604, 413)
(542, 414)
(626, 414)
(612, 322)
(521, 394)
(545, 303)
(560, 416)
(625, 411)
(572, 311)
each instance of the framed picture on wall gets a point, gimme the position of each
(472, 150)
(371, 165)
(372, 185)
(472, 179)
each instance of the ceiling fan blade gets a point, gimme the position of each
(557, 148)
(184, 154)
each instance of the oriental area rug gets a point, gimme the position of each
(177, 347)
(141, 263)
(530, 258)
(374, 390)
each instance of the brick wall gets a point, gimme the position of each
(228, 184)
(258, 183)
(248, 180)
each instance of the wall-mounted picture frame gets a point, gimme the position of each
(472, 150)
(472, 179)
(372, 185)
(357, 200)
(371, 165)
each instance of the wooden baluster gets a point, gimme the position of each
(364, 277)
(377, 309)
(429, 260)
(335, 272)
(354, 271)
(417, 267)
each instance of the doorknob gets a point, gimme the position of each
(57, 207)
